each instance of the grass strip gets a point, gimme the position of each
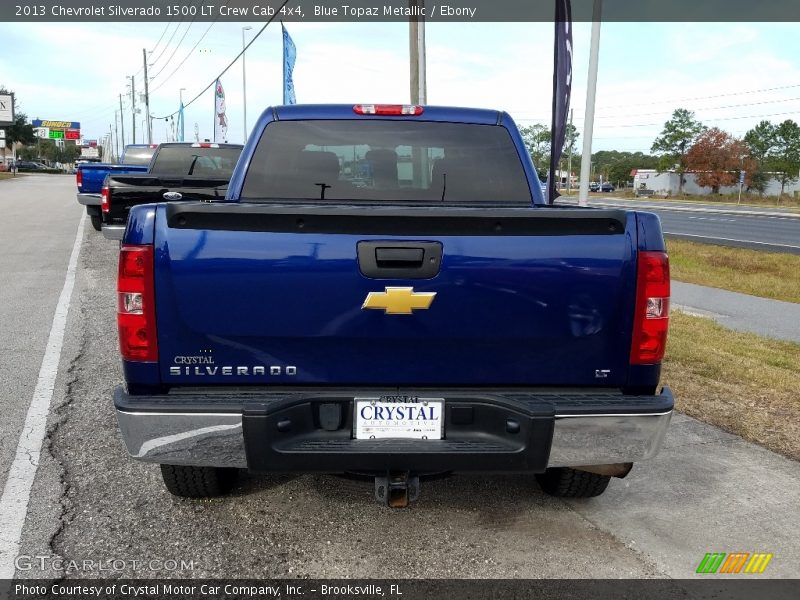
(767, 274)
(744, 383)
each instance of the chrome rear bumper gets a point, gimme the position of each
(113, 232)
(220, 439)
(90, 199)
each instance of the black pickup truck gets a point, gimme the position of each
(177, 171)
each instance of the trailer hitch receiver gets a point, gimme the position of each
(397, 488)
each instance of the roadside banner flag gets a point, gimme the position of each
(289, 57)
(562, 88)
(220, 119)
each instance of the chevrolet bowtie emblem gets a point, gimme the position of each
(399, 300)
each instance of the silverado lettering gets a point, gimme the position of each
(254, 371)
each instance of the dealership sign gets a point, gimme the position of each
(6, 109)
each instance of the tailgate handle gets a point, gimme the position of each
(399, 260)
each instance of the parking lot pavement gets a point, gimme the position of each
(707, 491)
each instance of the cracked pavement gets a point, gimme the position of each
(707, 490)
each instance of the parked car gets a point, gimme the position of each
(594, 186)
(28, 165)
(177, 171)
(82, 161)
(433, 318)
(607, 188)
(90, 176)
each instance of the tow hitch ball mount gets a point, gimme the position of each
(397, 488)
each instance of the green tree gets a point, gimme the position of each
(571, 140)
(537, 141)
(20, 131)
(760, 142)
(786, 153)
(678, 135)
(616, 166)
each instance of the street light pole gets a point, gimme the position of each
(244, 82)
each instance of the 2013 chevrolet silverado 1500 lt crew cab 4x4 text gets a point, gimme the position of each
(177, 170)
(384, 291)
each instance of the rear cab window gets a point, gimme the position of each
(198, 161)
(138, 156)
(386, 160)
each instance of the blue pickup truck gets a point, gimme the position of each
(90, 177)
(383, 291)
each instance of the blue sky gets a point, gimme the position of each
(76, 71)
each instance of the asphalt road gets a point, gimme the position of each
(762, 228)
(706, 491)
(37, 231)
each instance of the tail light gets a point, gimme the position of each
(104, 205)
(136, 312)
(388, 109)
(79, 178)
(651, 319)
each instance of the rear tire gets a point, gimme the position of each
(564, 482)
(97, 222)
(198, 482)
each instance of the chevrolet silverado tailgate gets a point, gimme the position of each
(287, 294)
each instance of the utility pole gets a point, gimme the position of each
(147, 100)
(569, 154)
(416, 31)
(244, 83)
(741, 182)
(110, 147)
(122, 120)
(418, 83)
(591, 93)
(133, 107)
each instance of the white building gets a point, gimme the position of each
(667, 184)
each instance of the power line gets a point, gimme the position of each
(174, 51)
(162, 34)
(712, 119)
(791, 112)
(160, 54)
(233, 62)
(704, 109)
(740, 93)
(189, 54)
(662, 112)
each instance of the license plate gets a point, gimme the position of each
(413, 418)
